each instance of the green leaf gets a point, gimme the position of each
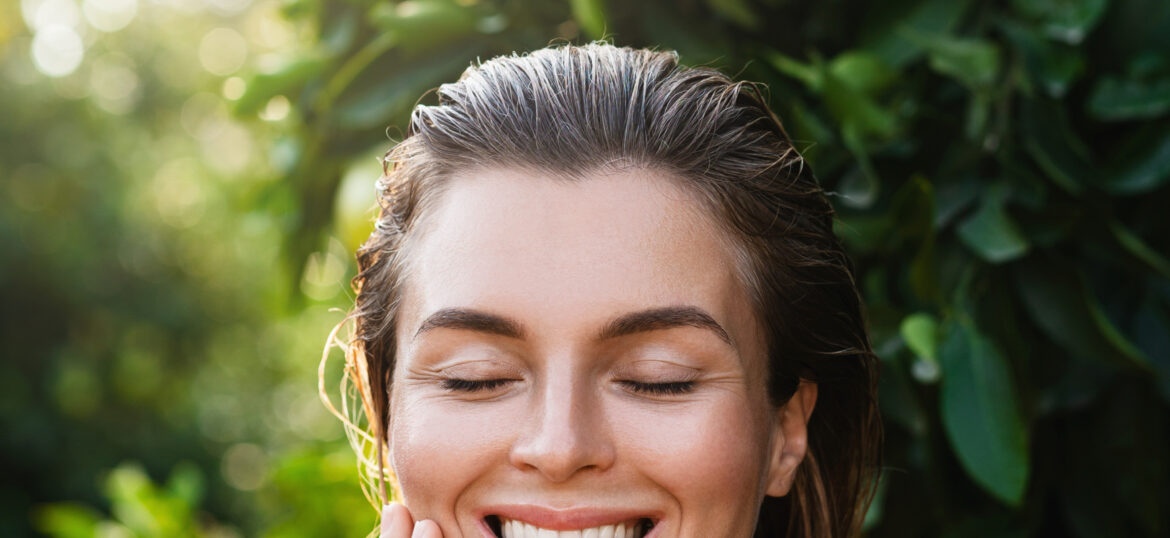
(1140, 250)
(130, 492)
(186, 483)
(1053, 144)
(590, 14)
(392, 97)
(979, 412)
(67, 520)
(1060, 304)
(856, 110)
(991, 234)
(1116, 99)
(1053, 66)
(864, 71)
(423, 25)
(285, 80)
(805, 73)
(886, 28)
(1142, 164)
(1067, 20)
(953, 197)
(972, 62)
(920, 331)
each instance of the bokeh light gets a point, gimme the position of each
(201, 113)
(227, 7)
(115, 84)
(109, 15)
(39, 14)
(277, 109)
(222, 51)
(234, 87)
(227, 147)
(245, 466)
(178, 193)
(57, 50)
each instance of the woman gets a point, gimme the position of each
(603, 297)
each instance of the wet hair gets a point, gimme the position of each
(571, 111)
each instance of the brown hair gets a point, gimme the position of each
(571, 110)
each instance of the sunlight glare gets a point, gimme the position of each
(39, 14)
(234, 88)
(222, 51)
(57, 50)
(109, 15)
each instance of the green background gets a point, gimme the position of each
(183, 183)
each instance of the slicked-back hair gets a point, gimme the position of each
(573, 111)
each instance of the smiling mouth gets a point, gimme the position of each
(512, 528)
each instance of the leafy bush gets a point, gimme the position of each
(1000, 170)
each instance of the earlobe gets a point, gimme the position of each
(790, 439)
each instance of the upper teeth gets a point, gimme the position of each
(519, 529)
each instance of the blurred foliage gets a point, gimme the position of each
(1000, 168)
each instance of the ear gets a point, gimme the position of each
(790, 438)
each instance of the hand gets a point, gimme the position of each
(397, 523)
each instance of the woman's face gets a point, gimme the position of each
(576, 355)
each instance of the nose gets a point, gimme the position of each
(565, 434)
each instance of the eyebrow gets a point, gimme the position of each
(651, 319)
(471, 320)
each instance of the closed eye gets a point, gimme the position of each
(474, 385)
(673, 387)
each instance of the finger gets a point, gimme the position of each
(426, 529)
(396, 521)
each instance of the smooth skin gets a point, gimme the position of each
(581, 348)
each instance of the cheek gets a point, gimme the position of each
(710, 456)
(438, 451)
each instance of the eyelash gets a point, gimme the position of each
(473, 385)
(476, 385)
(673, 387)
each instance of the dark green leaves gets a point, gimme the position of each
(992, 234)
(980, 412)
(1125, 99)
(972, 62)
(1053, 144)
(390, 99)
(421, 25)
(1142, 162)
(1061, 306)
(1066, 20)
(285, 80)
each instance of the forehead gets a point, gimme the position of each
(566, 255)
